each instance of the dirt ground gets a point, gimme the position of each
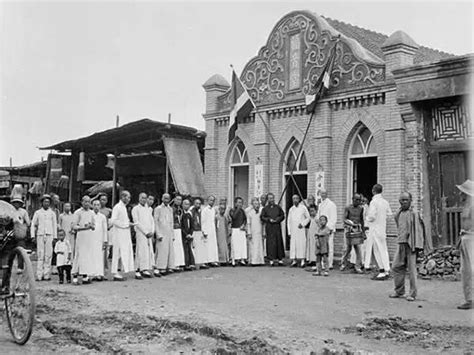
(248, 310)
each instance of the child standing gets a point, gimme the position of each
(322, 247)
(64, 254)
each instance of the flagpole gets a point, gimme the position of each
(307, 128)
(257, 112)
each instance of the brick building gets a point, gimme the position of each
(393, 108)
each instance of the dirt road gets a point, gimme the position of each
(266, 310)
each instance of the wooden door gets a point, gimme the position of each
(453, 171)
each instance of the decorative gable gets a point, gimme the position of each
(296, 52)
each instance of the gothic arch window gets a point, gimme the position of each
(363, 165)
(363, 144)
(239, 156)
(301, 166)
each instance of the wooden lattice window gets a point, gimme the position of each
(450, 122)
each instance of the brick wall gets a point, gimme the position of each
(327, 145)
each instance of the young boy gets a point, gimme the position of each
(311, 237)
(322, 246)
(63, 257)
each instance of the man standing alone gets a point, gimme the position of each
(411, 237)
(272, 215)
(379, 210)
(328, 208)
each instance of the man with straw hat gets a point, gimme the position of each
(44, 229)
(466, 241)
(21, 220)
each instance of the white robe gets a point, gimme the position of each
(82, 264)
(144, 255)
(255, 241)
(122, 247)
(164, 230)
(99, 237)
(296, 216)
(208, 217)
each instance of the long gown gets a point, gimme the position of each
(238, 238)
(208, 215)
(164, 229)
(222, 231)
(144, 256)
(178, 238)
(199, 242)
(274, 239)
(255, 243)
(82, 264)
(296, 216)
(99, 237)
(311, 240)
(122, 239)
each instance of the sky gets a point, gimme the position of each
(67, 69)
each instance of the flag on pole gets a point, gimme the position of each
(322, 84)
(242, 105)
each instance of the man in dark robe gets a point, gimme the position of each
(187, 235)
(272, 215)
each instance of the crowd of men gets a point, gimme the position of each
(183, 234)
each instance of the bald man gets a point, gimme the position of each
(83, 224)
(298, 218)
(145, 230)
(164, 223)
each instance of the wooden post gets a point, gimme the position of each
(167, 179)
(71, 177)
(114, 179)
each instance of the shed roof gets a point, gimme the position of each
(135, 136)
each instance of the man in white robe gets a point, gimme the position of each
(298, 217)
(99, 242)
(208, 216)
(83, 225)
(328, 208)
(122, 247)
(145, 230)
(379, 210)
(164, 236)
(178, 247)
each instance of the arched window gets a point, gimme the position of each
(301, 165)
(239, 155)
(363, 144)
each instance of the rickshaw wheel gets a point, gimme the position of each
(20, 305)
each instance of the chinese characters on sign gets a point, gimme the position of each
(258, 179)
(295, 62)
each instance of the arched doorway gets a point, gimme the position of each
(363, 163)
(300, 176)
(239, 172)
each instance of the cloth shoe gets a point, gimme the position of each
(467, 305)
(138, 276)
(396, 295)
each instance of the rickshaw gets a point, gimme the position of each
(17, 279)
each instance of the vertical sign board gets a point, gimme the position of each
(319, 185)
(258, 179)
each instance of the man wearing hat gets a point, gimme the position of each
(22, 220)
(467, 242)
(44, 228)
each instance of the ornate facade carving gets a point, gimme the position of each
(274, 75)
